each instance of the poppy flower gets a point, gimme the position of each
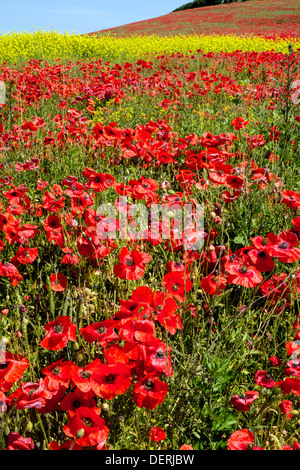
(58, 282)
(111, 380)
(17, 442)
(132, 264)
(88, 423)
(186, 447)
(157, 434)
(69, 257)
(242, 402)
(32, 395)
(3, 400)
(239, 123)
(58, 374)
(76, 399)
(26, 255)
(158, 360)
(241, 440)
(131, 329)
(12, 367)
(263, 379)
(177, 284)
(81, 376)
(60, 331)
(103, 332)
(286, 406)
(10, 271)
(213, 284)
(289, 385)
(149, 392)
(241, 274)
(284, 246)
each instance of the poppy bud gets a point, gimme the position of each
(76, 345)
(80, 433)
(29, 427)
(105, 407)
(6, 430)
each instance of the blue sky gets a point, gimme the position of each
(79, 16)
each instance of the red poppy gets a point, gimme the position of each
(213, 284)
(26, 255)
(89, 426)
(177, 284)
(284, 246)
(69, 257)
(58, 282)
(132, 264)
(32, 395)
(186, 447)
(10, 271)
(17, 442)
(111, 380)
(12, 367)
(81, 376)
(241, 440)
(149, 392)
(289, 385)
(157, 434)
(286, 406)
(58, 374)
(60, 331)
(77, 399)
(103, 332)
(241, 274)
(263, 379)
(239, 123)
(242, 402)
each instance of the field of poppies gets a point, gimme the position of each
(123, 331)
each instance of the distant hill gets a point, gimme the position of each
(259, 17)
(205, 3)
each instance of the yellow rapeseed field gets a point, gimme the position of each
(16, 47)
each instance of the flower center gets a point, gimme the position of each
(283, 245)
(110, 379)
(160, 354)
(87, 421)
(101, 330)
(129, 262)
(149, 385)
(85, 374)
(58, 328)
(56, 371)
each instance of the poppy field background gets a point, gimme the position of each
(138, 344)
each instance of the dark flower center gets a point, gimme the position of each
(85, 374)
(87, 421)
(101, 330)
(76, 404)
(283, 245)
(129, 262)
(149, 385)
(175, 287)
(3, 365)
(110, 379)
(58, 328)
(159, 308)
(56, 371)
(268, 378)
(243, 269)
(160, 354)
